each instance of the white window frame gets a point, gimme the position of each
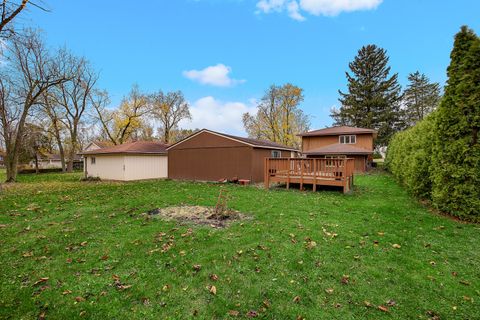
(347, 139)
(275, 153)
(93, 160)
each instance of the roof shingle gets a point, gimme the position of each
(137, 147)
(337, 130)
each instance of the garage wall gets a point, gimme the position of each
(210, 164)
(139, 167)
(107, 167)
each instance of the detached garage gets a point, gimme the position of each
(130, 161)
(211, 156)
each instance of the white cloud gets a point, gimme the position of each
(294, 8)
(213, 114)
(217, 75)
(294, 11)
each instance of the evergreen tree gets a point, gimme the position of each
(373, 98)
(456, 155)
(420, 98)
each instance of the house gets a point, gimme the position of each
(212, 156)
(340, 142)
(137, 160)
(53, 161)
(95, 145)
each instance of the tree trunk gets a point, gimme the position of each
(11, 166)
(36, 163)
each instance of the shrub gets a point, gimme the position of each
(409, 157)
(439, 158)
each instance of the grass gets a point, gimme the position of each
(103, 259)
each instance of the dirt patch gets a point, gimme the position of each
(198, 215)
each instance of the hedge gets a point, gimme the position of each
(409, 157)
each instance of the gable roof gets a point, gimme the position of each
(338, 148)
(247, 141)
(137, 147)
(332, 131)
(102, 144)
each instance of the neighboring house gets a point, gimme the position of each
(130, 161)
(51, 161)
(342, 141)
(95, 145)
(211, 156)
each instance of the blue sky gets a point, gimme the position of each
(249, 45)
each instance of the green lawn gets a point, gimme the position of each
(103, 260)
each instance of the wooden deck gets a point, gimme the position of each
(315, 171)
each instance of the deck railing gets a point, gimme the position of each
(315, 171)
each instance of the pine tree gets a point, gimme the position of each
(373, 98)
(456, 155)
(420, 98)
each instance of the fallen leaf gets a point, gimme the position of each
(213, 290)
(391, 303)
(41, 280)
(104, 257)
(84, 243)
(252, 314)
(213, 277)
(396, 246)
(67, 292)
(329, 290)
(79, 299)
(464, 282)
(296, 299)
(27, 254)
(345, 279)
(197, 267)
(383, 308)
(233, 313)
(367, 304)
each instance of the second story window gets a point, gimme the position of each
(350, 139)
(276, 154)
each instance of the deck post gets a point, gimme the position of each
(301, 174)
(314, 175)
(267, 175)
(289, 165)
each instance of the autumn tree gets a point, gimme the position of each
(127, 121)
(28, 73)
(169, 108)
(420, 98)
(373, 97)
(279, 118)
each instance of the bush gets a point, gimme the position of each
(409, 157)
(45, 170)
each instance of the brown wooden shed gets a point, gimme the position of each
(211, 156)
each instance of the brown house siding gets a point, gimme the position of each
(314, 142)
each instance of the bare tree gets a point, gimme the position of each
(170, 109)
(54, 113)
(28, 74)
(74, 98)
(11, 9)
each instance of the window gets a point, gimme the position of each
(92, 160)
(276, 154)
(350, 139)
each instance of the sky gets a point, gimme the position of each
(224, 54)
